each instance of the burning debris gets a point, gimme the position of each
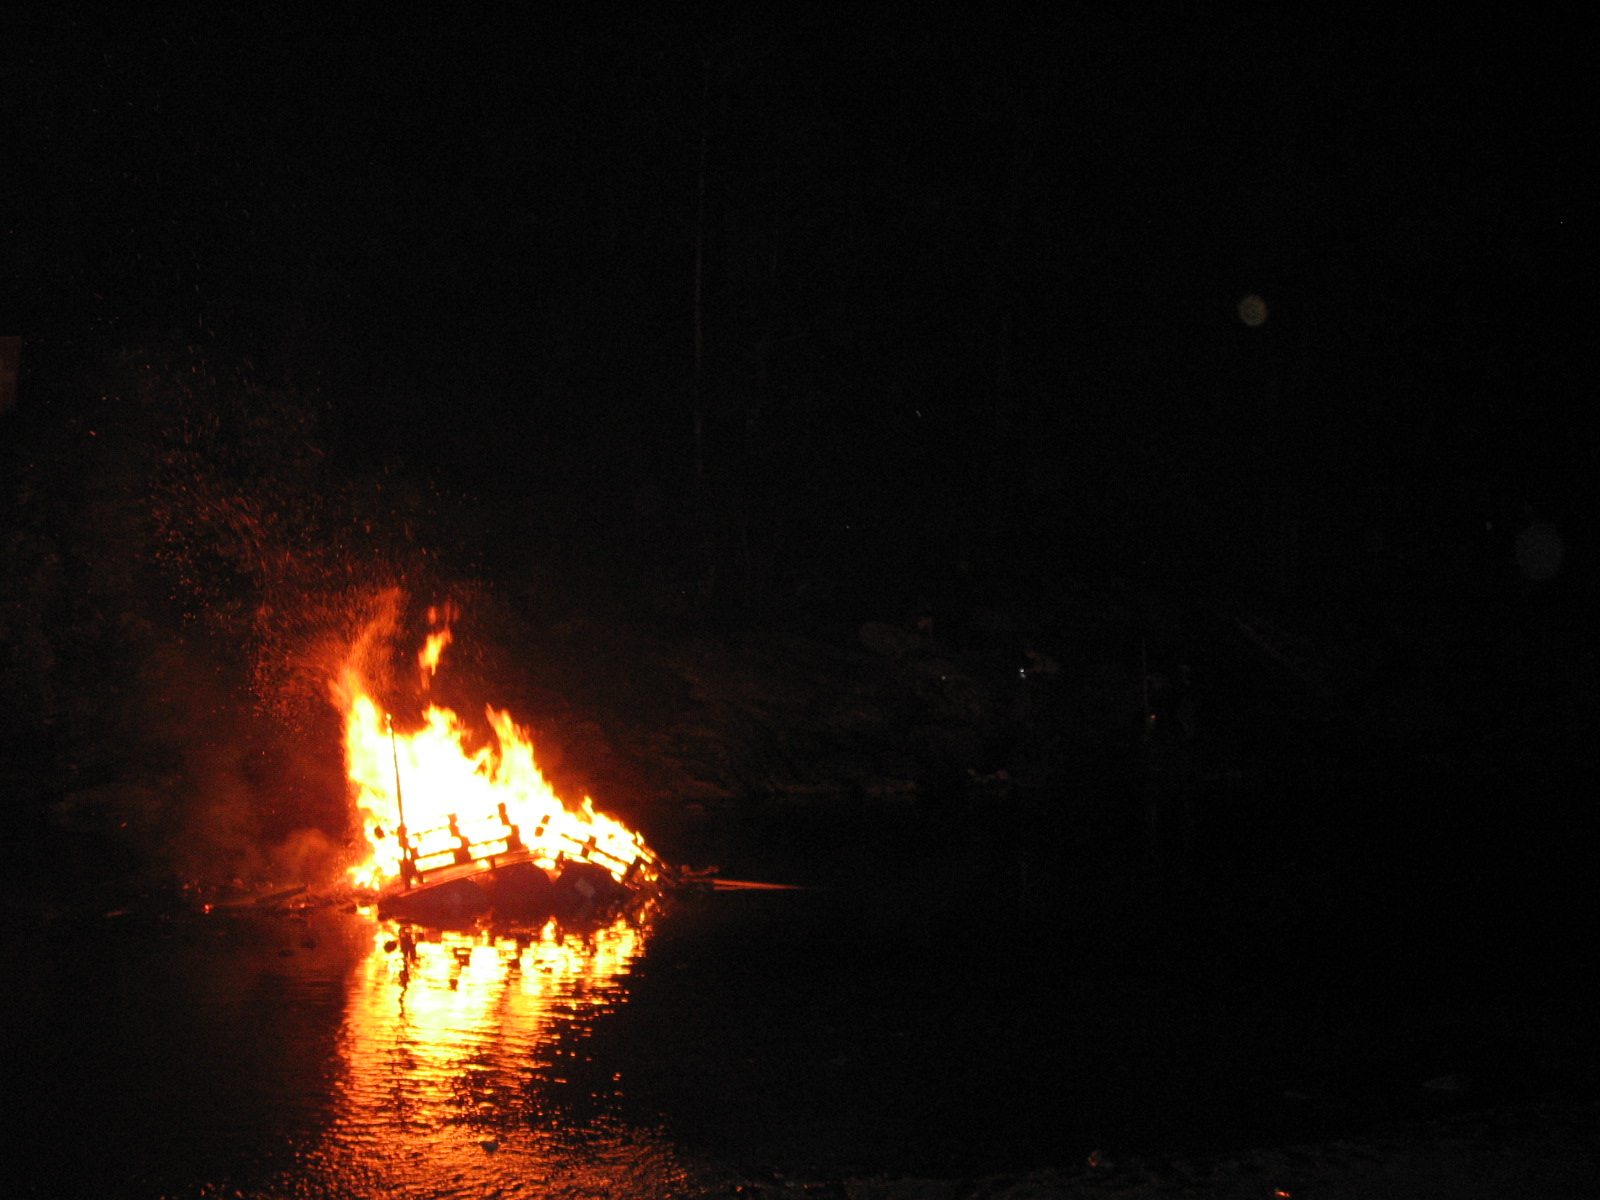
(457, 832)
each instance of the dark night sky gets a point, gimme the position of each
(947, 268)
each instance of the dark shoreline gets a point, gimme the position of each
(1550, 1150)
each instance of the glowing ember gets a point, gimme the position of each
(429, 801)
(433, 649)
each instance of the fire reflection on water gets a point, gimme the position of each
(458, 1056)
(443, 1003)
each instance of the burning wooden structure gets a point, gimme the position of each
(461, 828)
(461, 873)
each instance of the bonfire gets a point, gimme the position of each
(459, 829)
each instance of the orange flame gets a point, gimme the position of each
(427, 796)
(432, 650)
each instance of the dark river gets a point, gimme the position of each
(1004, 988)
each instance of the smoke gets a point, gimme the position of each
(187, 570)
(306, 856)
(235, 787)
(262, 791)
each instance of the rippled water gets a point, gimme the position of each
(325, 1056)
(1034, 999)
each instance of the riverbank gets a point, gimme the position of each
(1547, 1150)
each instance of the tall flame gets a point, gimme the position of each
(429, 790)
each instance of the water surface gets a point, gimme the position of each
(952, 994)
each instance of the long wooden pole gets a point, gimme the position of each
(399, 802)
